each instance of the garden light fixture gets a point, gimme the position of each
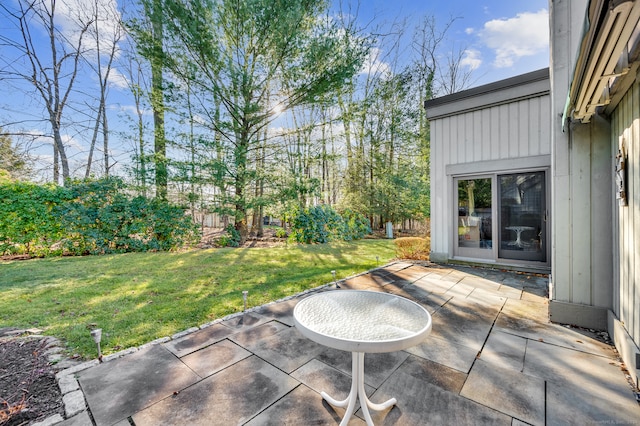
(96, 335)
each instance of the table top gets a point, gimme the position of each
(519, 228)
(362, 321)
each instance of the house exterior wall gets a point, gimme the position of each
(595, 258)
(581, 200)
(625, 128)
(503, 129)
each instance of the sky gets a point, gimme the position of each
(497, 39)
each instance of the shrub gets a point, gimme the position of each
(357, 225)
(27, 223)
(231, 238)
(318, 224)
(321, 224)
(88, 217)
(281, 233)
(102, 218)
(413, 248)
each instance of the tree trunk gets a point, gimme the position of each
(94, 137)
(62, 154)
(157, 102)
(105, 138)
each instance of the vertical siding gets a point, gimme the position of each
(503, 129)
(545, 129)
(626, 126)
(602, 207)
(499, 132)
(439, 198)
(580, 215)
(487, 140)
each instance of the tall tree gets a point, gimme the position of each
(52, 70)
(105, 33)
(157, 98)
(249, 52)
(149, 31)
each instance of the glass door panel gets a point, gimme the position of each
(522, 222)
(474, 234)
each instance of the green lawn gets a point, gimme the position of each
(139, 297)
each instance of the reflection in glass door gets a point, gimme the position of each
(522, 218)
(475, 237)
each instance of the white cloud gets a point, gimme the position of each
(374, 65)
(131, 110)
(469, 30)
(472, 59)
(526, 34)
(71, 142)
(117, 79)
(71, 15)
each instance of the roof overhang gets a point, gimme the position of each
(608, 52)
(523, 86)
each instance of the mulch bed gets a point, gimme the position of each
(28, 388)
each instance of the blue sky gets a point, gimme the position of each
(498, 38)
(501, 38)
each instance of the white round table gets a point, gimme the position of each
(360, 322)
(518, 230)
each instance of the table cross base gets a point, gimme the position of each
(357, 390)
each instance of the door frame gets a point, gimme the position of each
(491, 255)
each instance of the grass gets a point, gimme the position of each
(138, 297)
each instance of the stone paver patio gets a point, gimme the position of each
(492, 358)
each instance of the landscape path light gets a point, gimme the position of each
(96, 335)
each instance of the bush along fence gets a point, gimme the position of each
(88, 217)
(321, 224)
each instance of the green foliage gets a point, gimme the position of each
(281, 233)
(27, 222)
(356, 225)
(321, 224)
(88, 217)
(246, 56)
(231, 238)
(11, 159)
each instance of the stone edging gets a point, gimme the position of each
(73, 400)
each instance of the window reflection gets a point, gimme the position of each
(522, 209)
(474, 213)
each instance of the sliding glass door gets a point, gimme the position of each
(475, 217)
(522, 216)
(502, 216)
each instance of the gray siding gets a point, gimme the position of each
(625, 124)
(508, 131)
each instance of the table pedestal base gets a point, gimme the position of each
(357, 390)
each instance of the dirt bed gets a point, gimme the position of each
(28, 388)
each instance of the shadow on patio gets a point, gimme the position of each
(492, 358)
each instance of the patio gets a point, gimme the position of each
(492, 358)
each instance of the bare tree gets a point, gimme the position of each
(455, 75)
(106, 33)
(52, 70)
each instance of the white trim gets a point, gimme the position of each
(499, 166)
